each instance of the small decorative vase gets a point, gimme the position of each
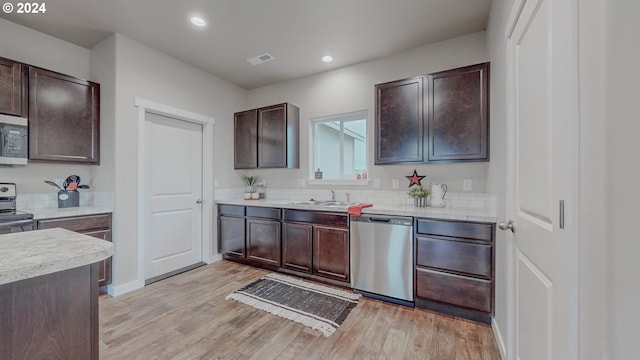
(247, 195)
(420, 202)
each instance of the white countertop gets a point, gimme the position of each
(450, 213)
(52, 213)
(29, 254)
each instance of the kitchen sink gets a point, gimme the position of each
(328, 203)
(307, 202)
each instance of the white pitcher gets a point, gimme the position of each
(438, 192)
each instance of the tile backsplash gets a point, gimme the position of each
(386, 197)
(50, 200)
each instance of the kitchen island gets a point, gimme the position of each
(49, 294)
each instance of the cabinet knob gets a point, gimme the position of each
(199, 201)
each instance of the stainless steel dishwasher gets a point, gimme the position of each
(382, 257)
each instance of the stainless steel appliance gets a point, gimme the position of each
(13, 141)
(12, 220)
(382, 257)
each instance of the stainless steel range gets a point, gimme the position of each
(11, 220)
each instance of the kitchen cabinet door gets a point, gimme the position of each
(13, 88)
(331, 253)
(458, 114)
(245, 143)
(297, 246)
(278, 136)
(64, 118)
(98, 226)
(399, 129)
(267, 137)
(263, 241)
(104, 266)
(231, 236)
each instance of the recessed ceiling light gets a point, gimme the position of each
(327, 59)
(198, 21)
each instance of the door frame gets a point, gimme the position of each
(207, 122)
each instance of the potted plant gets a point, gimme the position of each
(251, 182)
(419, 195)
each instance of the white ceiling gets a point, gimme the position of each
(296, 32)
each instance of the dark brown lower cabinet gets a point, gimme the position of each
(316, 243)
(331, 252)
(297, 247)
(250, 234)
(231, 236)
(454, 268)
(52, 316)
(98, 226)
(263, 241)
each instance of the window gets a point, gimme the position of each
(339, 145)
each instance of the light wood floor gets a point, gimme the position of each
(186, 317)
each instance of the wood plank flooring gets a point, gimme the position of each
(186, 317)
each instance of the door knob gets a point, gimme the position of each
(199, 201)
(508, 226)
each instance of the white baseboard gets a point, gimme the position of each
(124, 288)
(215, 258)
(499, 340)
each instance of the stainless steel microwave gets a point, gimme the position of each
(14, 141)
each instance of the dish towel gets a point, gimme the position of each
(356, 209)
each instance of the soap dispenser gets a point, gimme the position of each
(318, 174)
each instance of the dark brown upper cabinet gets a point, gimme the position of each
(245, 128)
(459, 114)
(399, 121)
(267, 137)
(436, 118)
(13, 88)
(64, 118)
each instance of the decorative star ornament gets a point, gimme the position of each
(415, 179)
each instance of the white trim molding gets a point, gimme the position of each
(207, 122)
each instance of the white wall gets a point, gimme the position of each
(35, 48)
(103, 71)
(623, 171)
(351, 89)
(145, 73)
(496, 174)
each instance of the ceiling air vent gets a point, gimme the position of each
(260, 59)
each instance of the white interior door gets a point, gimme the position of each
(542, 60)
(173, 193)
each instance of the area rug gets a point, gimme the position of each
(316, 306)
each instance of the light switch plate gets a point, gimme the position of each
(376, 183)
(395, 184)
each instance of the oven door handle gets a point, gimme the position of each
(15, 223)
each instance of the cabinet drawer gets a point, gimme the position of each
(263, 212)
(80, 223)
(454, 289)
(317, 217)
(231, 210)
(460, 256)
(473, 231)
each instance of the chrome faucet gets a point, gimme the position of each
(333, 195)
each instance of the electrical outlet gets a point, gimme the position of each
(395, 184)
(376, 183)
(300, 183)
(467, 184)
(216, 183)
